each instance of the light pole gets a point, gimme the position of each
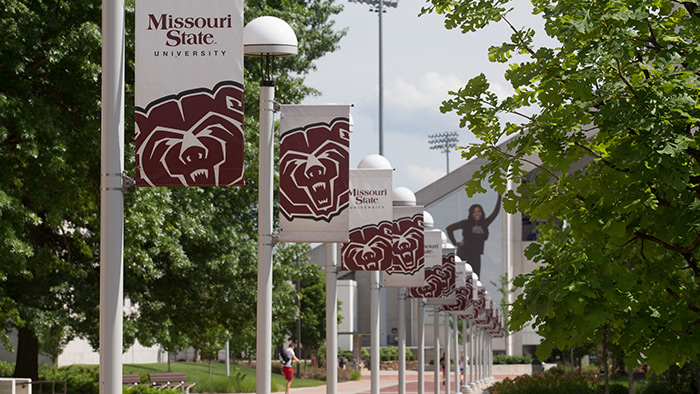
(266, 37)
(374, 162)
(378, 7)
(428, 224)
(445, 142)
(402, 196)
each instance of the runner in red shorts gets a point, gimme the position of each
(287, 369)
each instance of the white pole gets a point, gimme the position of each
(490, 357)
(421, 345)
(112, 198)
(482, 355)
(228, 362)
(447, 353)
(479, 354)
(331, 319)
(465, 350)
(472, 354)
(510, 253)
(436, 334)
(265, 241)
(381, 83)
(374, 331)
(402, 340)
(457, 355)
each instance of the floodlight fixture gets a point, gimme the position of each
(445, 142)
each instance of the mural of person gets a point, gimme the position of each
(475, 232)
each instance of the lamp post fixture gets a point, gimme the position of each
(112, 198)
(445, 142)
(402, 196)
(378, 7)
(375, 162)
(266, 37)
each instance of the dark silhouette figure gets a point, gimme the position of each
(475, 231)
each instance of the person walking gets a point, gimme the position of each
(287, 368)
(442, 368)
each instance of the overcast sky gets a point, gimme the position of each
(422, 61)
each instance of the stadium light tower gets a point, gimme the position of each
(445, 142)
(378, 7)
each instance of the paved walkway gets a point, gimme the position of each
(388, 384)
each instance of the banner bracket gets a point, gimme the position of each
(276, 106)
(127, 182)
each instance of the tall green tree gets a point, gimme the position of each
(312, 306)
(189, 253)
(619, 93)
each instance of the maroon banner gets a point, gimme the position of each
(407, 264)
(371, 221)
(433, 267)
(189, 92)
(447, 277)
(369, 248)
(314, 173)
(194, 138)
(464, 291)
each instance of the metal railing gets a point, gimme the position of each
(41, 383)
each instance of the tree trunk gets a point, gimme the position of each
(169, 369)
(573, 369)
(605, 362)
(630, 380)
(27, 362)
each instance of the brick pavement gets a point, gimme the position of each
(388, 384)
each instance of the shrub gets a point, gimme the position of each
(558, 370)
(651, 386)
(147, 389)
(389, 353)
(236, 383)
(345, 375)
(79, 379)
(6, 369)
(346, 353)
(544, 384)
(365, 353)
(409, 355)
(505, 359)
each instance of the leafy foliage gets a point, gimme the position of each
(505, 359)
(312, 302)
(79, 379)
(608, 145)
(679, 380)
(146, 389)
(6, 369)
(189, 256)
(391, 353)
(544, 384)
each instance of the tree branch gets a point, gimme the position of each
(624, 79)
(525, 161)
(601, 158)
(691, 8)
(520, 37)
(531, 119)
(686, 252)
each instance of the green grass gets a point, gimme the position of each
(242, 379)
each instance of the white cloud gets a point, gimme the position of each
(427, 92)
(422, 176)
